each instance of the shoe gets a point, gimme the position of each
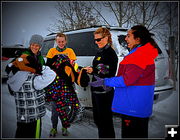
(65, 132)
(53, 132)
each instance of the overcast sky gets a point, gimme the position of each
(20, 20)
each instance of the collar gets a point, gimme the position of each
(134, 49)
(60, 50)
(104, 48)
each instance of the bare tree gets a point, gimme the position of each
(74, 15)
(171, 36)
(154, 15)
(121, 12)
(127, 14)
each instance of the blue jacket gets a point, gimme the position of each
(134, 84)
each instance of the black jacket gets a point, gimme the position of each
(106, 56)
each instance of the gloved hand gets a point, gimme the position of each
(99, 82)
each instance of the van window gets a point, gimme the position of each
(83, 44)
(46, 46)
(12, 52)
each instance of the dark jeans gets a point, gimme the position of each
(134, 127)
(102, 114)
(28, 130)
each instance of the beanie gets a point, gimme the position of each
(38, 39)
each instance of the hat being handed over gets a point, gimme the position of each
(37, 39)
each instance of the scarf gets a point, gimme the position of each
(60, 50)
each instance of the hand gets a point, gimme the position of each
(89, 69)
(72, 62)
(98, 83)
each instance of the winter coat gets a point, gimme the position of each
(135, 82)
(104, 65)
(30, 103)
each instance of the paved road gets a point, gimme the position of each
(164, 113)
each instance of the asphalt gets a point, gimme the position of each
(82, 127)
(164, 113)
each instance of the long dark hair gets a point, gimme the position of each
(145, 36)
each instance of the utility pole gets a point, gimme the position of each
(172, 58)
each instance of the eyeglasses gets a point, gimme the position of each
(98, 39)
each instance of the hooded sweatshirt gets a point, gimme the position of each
(135, 82)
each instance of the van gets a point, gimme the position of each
(83, 44)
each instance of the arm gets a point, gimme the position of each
(130, 76)
(72, 55)
(113, 61)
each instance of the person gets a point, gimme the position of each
(61, 48)
(104, 65)
(134, 83)
(29, 102)
(60, 54)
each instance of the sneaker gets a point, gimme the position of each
(53, 132)
(65, 132)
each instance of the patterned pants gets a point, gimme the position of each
(62, 95)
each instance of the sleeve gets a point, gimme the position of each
(72, 55)
(113, 64)
(111, 60)
(47, 77)
(131, 75)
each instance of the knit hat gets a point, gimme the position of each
(38, 39)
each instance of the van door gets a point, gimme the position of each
(85, 49)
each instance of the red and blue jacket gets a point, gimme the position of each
(135, 82)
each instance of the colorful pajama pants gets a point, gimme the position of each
(61, 95)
